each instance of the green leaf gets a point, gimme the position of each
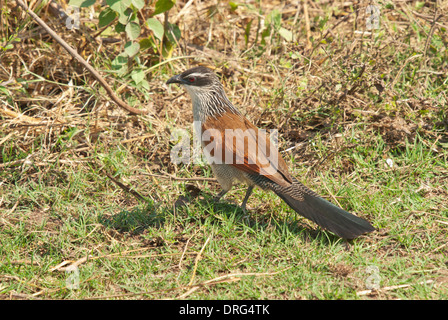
(155, 27)
(433, 49)
(81, 3)
(294, 55)
(138, 4)
(274, 18)
(131, 48)
(119, 27)
(162, 6)
(173, 34)
(247, 31)
(144, 84)
(147, 43)
(419, 5)
(122, 8)
(233, 5)
(133, 30)
(4, 90)
(167, 50)
(323, 22)
(119, 6)
(266, 32)
(120, 64)
(286, 34)
(106, 16)
(126, 16)
(125, 3)
(138, 76)
(119, 60)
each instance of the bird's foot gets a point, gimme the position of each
(219, 195)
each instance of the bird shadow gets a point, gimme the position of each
(152, 215)
(253, 219)
(136, 220)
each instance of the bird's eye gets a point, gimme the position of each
(191, 79)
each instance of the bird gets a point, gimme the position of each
(239, 152)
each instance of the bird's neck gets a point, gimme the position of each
(209, 103)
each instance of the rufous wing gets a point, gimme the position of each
(232, 139)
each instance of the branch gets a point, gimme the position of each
(75, 55)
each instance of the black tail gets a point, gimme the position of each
(327, 215)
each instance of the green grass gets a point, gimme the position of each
(57, 224)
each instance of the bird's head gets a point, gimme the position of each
(205, 90)
(198, 76)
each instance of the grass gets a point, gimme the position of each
(362, 121)
(56, 224)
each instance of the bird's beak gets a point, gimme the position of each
(175, 79)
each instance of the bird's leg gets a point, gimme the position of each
(220, 195)
(248, 193)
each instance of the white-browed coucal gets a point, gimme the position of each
(240, 152)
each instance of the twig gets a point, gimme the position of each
(74, 54)
(367, 292)
(15, 115)
(138, 138)
(242, 274)
(27, 161)
(431, 31)
(182, 11)
(442, 222)
(6, 138)
(428, 18)
(25, 261)
(164, 37)
(331, 194)
(196, 261)
(228, 278)
(22, 296)
(439, 247)
(56, 10)
(125, 188)
(309, 45)
(218, 55)
(391, 85)
(423, 62)
(70, 264)
(169, 176)
(186, 247)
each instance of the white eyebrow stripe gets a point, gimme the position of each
(197, 75)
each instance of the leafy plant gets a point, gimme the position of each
(124, 14)
(271, 26)
(274, 25)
